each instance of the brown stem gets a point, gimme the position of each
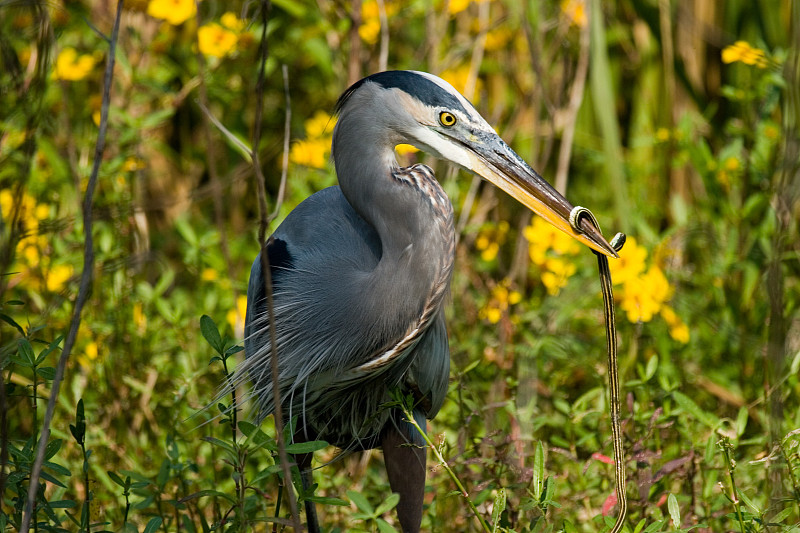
(87, 276)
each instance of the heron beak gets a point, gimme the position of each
(492, 159)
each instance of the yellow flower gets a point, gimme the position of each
(91, 351)
(139, 318)
(643, 296)
(732, 164)
(502, 297)
(742, 51)
(319, 125)
(209, 274)
(72, 67)
(458, 77)
(89, 355)
(6, 202)
(232, 22)
(29, 252)
(236, 316)
(771, 132)
(678, 330)
(662, 135)
(370, 28)
(490, 313)
(173, 11)
(489, 240)
(132, 164)
(454, 7)
(497, 39)
(57, 277)
(491, 251)
(314, 150)
(557, 272)
(631, 262)
(215, 41)
(309, 153)
(575, 11)
(542, 237)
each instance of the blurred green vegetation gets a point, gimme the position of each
(674, 121)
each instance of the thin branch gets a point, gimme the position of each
(469, 92)
(383, 58)
(575, 100)
(287, 132)
(262, 235)
(87, 276)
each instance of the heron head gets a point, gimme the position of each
(425, 111)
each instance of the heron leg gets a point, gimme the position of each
(307, 476)
(405, 457)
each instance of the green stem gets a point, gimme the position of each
(443, 462)
(730, 465)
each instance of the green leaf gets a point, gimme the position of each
(306, 447)
(361, 502)
(295, 9)
(211, 333)
(234, 350)
(47, 351)
(688, 406)
(538, 470)
(498, 508)
(748, 502)
(63, 504)
(741, 421)
(271, 471)
(47, 477)
(13, 323)
(783, 515)
(385, 527)
(79, 429)
(655, 526)
(47, 372)
(153, 525)
(52, 448)
(328, 500)
(209, 493)
(26, 351)
(220, 443)
(652, 366)
(57, 468)
(674, 511)
(116, 479)
(136, 476)
(388, 504)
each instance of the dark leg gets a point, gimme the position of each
(307, 475)
(405, 466)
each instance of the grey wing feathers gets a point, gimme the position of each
(318, 259)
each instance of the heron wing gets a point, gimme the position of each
(320, 257)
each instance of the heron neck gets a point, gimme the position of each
(411, 215)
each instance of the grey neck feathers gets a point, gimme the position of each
(408, 209)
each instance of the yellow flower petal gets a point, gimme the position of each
(214, 40)
(72, 67)
(173, 11)
(57, 277)
(232, 22)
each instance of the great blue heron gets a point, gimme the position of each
(360, 273)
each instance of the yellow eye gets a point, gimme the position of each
(447, 119)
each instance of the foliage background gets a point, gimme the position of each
(674, 121)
